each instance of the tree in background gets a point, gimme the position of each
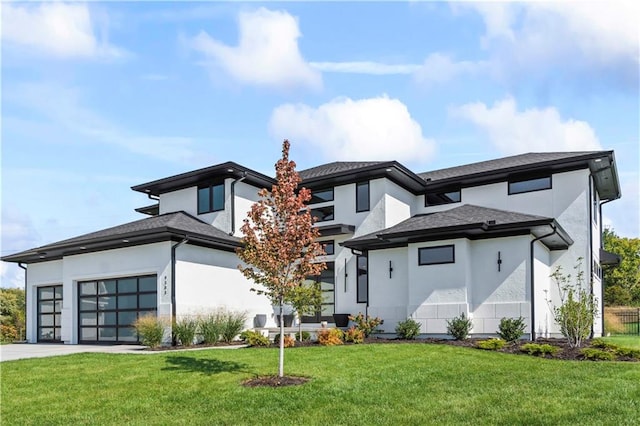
(622, 282)
(279, 241)
(306, 299)
(12, 315)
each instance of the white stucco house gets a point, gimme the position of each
(480, 239)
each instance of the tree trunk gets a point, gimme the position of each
(281, 367)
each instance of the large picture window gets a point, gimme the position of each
(436, 255)
(326, 280)
(529, 185)
(211, 198)
(108, 308)
(362, 197)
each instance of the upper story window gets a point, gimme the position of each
(211, 198)
(445, 197)
(329, 247)
(436, 255)
(529, 185)
(362, 197)
(322, 214)
(321, 196)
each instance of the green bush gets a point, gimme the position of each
(253, 338)
(185, 330)
(306, 336)
(330, 337)
(595, 354)
(354, 335)
(150, 329)
(408, 329)
(539, 349)
(491, 344)
(367, 324)
(511, 329)
(603, 344)
(8, 333)
(211, 327)
(459, 327)
(233, 325)
(628, 353)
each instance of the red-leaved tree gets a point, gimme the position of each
(279, 240)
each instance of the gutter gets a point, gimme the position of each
(173, 275)
(25, 298)
(532, 277)
(233, 202)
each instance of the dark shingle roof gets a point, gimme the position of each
(337, 167)
(513, 162)
(468, 221)
(152, 229)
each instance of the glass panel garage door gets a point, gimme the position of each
(49, 312)
(107, 308)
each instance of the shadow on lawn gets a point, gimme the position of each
(203, 365)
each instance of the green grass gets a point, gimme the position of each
(625, 341)
(395, 384)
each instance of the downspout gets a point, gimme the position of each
(25, 298)
(590, 246)
(173, 276)
(532, 278)
(602, 283)
(233, 202)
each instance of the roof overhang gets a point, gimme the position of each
(195, 177)
(152, 210)
(609, 259)
(553, 235)
(337, 229)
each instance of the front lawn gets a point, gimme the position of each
(360, 384)
(632, 342)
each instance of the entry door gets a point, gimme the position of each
(327, 281)
(49, 313)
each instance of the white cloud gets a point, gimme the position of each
(373, 129)
(56, 29)
(267, 53)
(584, 37)
(439, 68)
(365, 67)
(515, 132)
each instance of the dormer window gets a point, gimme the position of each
(443, 197)
(211, 198)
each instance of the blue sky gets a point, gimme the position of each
(98, 97)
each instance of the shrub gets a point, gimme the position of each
(232, 325)
(408, 329)
(511, 329)
(578, 307)
(539, 349)
(628, 353)
(459, 327)
(211, 327)
(150, 329)
(603, 344)
(306, 336)
(492, 344)
(354, 335)
(330, 337)
(595, 354)
(8, 333)
(366, 323)
(289, 342)
(184, 330)
(253, 338)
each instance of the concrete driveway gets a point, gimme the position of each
(41, 350)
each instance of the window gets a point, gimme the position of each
(438, 198)
(322, 214)
(362, 197)
(329, 247)
(321, 196)
(326, 281)
(436, 255)
(363, 279)
(211, 198)
(529, 185)
(49, 313)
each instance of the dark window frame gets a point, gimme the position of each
(443, 194)
(53, 313)
(210, 193)
(333, 247)
(317, 279)
(312, 201)
(423, 249)
(138, 310)
(517, 180)
(359, 298)
(360, 209)
(321, 210)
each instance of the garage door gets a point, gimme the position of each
(108, 308)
